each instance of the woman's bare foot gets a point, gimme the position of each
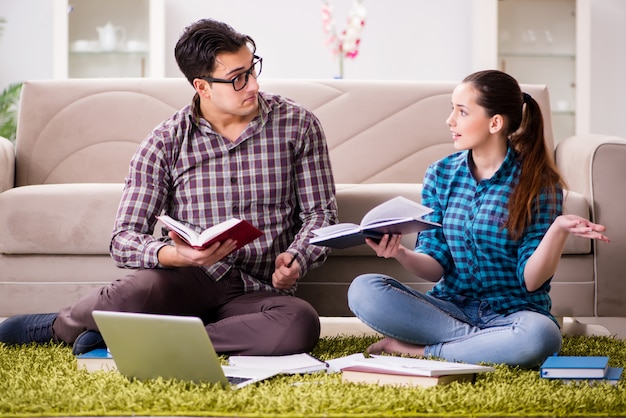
(392, 346)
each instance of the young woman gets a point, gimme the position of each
(499, 200)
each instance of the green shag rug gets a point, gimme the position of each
(44, 381)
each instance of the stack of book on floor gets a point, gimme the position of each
(592, 369)
(404, 371)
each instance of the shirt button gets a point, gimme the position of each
(235, 208)
(233, 180)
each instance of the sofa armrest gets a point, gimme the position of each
(593, 165)
(7, 164)
(577, 157)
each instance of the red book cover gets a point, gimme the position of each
(238, 229)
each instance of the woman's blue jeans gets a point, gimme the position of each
(472, 333)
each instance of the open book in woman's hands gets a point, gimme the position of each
(395, 216)
(240, 230)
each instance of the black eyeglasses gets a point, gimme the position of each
(240, 81)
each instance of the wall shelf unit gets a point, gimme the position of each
(109, 38)
(537, 45)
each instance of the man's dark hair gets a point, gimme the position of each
(202, 41)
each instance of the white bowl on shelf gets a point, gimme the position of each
(136, 45)
(84, 45)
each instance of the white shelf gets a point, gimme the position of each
(83, 50)
(537, 55)
(114, 52)
(537, 45)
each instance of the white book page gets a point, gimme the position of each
(337, 228)
(217, 229)
(387, 222)
(286, 364)
(421, 367)
(336, 364)
(180, 228)
(397, 208)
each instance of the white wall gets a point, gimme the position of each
(402, 39)
(608, 67)
(26, 44)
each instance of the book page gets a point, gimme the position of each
(217, 229)
(336, 364)
(291, 363)
(420, 367)
(181, 229)
(396, 208)
(333, 229)
(404, 365)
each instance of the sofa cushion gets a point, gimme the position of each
(77, 218)
(58, 218)
(89, 131)
(64, 138)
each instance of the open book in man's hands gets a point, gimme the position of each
(240, 230)
(395, 216)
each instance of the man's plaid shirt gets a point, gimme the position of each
(276, 175)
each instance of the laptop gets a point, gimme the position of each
(148, 346)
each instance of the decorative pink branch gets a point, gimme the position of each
(345, 44)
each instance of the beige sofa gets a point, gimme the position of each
(60, 188)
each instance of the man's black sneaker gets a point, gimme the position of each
(25, 329)
(87, 341)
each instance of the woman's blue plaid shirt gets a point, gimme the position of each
(480, 261)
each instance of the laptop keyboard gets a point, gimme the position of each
(235, 380)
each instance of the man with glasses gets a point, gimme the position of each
(241, 81)
(234, 151)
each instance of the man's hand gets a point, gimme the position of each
(285, 276)
(182, 254)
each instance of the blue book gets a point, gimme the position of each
(575, 367)
(98, 353)
(98, 359)
(613, 376)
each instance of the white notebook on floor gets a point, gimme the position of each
(147, 346)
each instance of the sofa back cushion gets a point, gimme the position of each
(386, 131)
(85, 131)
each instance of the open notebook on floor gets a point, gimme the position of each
(146, 346)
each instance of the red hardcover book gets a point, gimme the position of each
(238, 229)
